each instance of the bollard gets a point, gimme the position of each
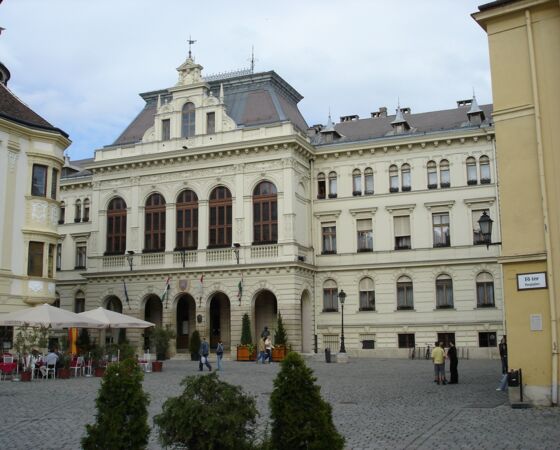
(328, 355)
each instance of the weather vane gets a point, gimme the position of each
(253, 60)
(191, 42)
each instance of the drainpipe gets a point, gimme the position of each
(312, 238)
(544, 197)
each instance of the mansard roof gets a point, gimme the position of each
(421, 123)
(251, 99)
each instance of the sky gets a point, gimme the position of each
(81, 64)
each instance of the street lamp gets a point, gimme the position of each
(485, 224)
(236, 247)
(342, 297)
(183, 256)
(130, 258)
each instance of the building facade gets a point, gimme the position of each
(524, 42)
(219, 200)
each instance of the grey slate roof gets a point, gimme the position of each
(250, 99)
(75, 169)
(421, 123)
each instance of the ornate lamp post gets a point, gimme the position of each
(236, 247)
(130, 258)
(342, 297)
(183, 256)
(485, 224)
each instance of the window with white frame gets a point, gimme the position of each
(444, 292)
(444, 174)
(78, 211)
(478, 238)
(405, 175)
(471, 171)
(402, 232)
(81, 255)
(79, 302)
(321, 186)
(39, 180)
(393, 179)
(365, 235)
(367, 295)
(58, 256)
(405, 297)
(62, 212)
(440, 226)
(332, 185)
(330, 296)
(484, 162)
(356, 182)
(432, 175)
(368, 178)
(329, 237)
(484, 290)
(86, 210)
(35, 259)
(165, 129)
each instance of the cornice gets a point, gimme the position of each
(35, 133)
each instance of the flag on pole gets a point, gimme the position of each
(165, 295)
(126, 294)
(201, 287)
(240, 289)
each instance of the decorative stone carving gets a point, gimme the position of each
(51, 288)
(12, 161)
(35, 286)
(39, 211)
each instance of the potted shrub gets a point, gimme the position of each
(246, 350)
(194, 345)
(280, 341)
(99, 364)
(161, 337)
(64, 370)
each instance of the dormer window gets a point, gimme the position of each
(400, 124)
(188, 120)
(165, 129)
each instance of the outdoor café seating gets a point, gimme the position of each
(7, 365)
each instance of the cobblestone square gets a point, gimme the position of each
(377, 404)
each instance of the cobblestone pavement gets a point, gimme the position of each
(377, 404)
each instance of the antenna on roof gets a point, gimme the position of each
(253, 60)
(190, 42)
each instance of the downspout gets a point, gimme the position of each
(544, 201)
(312, 237)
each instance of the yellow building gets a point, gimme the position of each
(524, 43)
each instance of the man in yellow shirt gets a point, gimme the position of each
(438, 357)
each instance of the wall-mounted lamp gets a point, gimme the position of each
(185, 147)
(485, 224)
(130, 258)
(236, 247)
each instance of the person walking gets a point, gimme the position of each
(453, 363)
(219, 354)
(265, 333)
(504, 354)
(261, 353)
(268, 349)
(438, 357)
(203, 352)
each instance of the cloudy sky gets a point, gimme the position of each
(81, 63)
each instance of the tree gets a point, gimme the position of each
(122, 415)
(209, 414)
(246, 338)
(301, 419)
(280, 337)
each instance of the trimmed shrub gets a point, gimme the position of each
(122, 415)
(280, 337)
(209, 414)
(301, 419)
(194, 345)
(246, 338)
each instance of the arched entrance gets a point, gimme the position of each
(186, 323)
(113, 303)
(153, 310)
(306, 323)
(219, 323)
(266, 312)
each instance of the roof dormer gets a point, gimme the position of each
(400, 124)
(475, 114)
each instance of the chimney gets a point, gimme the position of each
(381, 113)
(349, 118)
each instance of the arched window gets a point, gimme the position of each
(56, 302)
(78, 211)
(405, 298)
(188, 120)
(332, 185)
(368, 175)
(356, 182)
(154, 224)
(220, 217)
(484, 162)
(79, 302)
(432, 175)
(114, 304)
(444, 292)
(393, 179)
(62, 213)
(321, 186)
(187, 220)
(405, 174)
(367, 295)
(86, 210)
(484, 290)
(471, 170)
(116, 227)
(444, 176)
(330, 296)
(265, 214)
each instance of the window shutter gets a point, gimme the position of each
(402, 226)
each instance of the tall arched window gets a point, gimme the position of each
(405, 297)
(367, 295)
(356, 182)
(484, 290)
(471, 170)
(321, 186)
(220, 217)
(444, 291)
(86, 210)
(114, 304)
(432, 175)
(79, 302)
(393, 178)
(484, 162)
(405, 175)
(330, 296)
(368, 175)
(154, 224)
(265, 214)
(78, 211)
(62, 213)
(116, 227)
(187, 220)
(188, 120)
(444, 176)
(332, 185)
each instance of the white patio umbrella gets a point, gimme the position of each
(46, 315)
(112, 319)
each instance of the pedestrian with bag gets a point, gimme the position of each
(203, 352)
(219, 354)
(268, 349)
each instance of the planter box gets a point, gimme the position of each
(243, 353)
(25, 376)
(157, 366)
(63, 373)
(279, 353)
(99, 371)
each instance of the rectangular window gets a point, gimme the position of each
(369, 183)
(54, 182)
(402, 232)
(444, 293)
(81, 255)
(440, 223)
(35, 259)
(406, 340)
(478, 238)
(321, 189)
(50, 261)
(485, 294)
(330, 300)
(39, 181)
(394, 183)
(79, 305)
(487, 339)
(58, 256)
(165, 129)
(365, 235)
(405, 299)
(432, 179)
(367, 300)
(329, 238)
(446, 338)
(210, 123)
(86, 212)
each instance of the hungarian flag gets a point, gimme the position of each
(240, 289)
(126, 294)
(165, 295)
